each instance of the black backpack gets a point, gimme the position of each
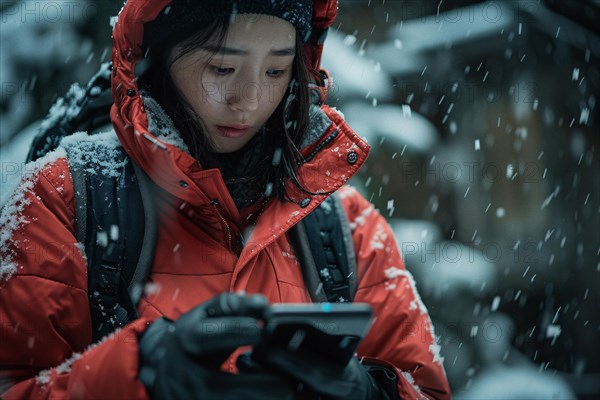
(119, 235)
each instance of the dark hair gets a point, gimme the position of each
(280, 158)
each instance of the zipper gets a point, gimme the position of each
(214, 203)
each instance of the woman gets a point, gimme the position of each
(214, 102)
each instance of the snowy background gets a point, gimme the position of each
(485, 134)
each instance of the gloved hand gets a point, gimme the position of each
(181, 359)
(320, 376)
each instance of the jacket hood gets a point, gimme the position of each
(169, 165)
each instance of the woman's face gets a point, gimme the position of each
(235, 90)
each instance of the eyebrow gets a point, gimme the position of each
(228, 51)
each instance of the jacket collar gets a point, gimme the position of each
(336, 157)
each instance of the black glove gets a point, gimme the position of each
(322, 377)
(181, 359)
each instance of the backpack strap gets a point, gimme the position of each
(119, 237)
(150, 223)
(324, 245)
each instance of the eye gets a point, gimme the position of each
(222, 70)
(274, 73)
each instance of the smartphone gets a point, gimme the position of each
(332, 330)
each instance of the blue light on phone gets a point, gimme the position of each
(326, 307)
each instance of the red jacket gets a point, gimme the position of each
(45, 326)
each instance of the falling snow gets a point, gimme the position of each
(540, 211)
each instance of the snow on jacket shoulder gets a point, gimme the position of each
(45, 325)
(402, 336)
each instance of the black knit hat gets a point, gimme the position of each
(183, 15)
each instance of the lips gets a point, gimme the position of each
(233, 130)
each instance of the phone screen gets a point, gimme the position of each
(332, 330)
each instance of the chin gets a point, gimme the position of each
(229, 147)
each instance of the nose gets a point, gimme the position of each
(243, 96)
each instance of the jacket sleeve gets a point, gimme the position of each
(402, 336)
(45, 326)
